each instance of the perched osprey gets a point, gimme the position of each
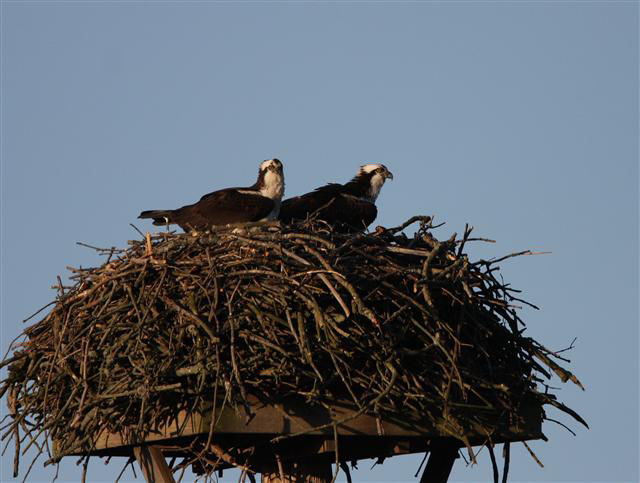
(345, 206)
(231, 205)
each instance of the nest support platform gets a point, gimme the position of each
(296, 441)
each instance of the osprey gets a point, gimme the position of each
(231, 205)
(345, 206)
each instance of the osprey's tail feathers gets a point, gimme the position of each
(160, 217)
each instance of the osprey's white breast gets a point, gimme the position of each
(273, 186)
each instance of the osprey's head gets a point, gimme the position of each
(271, 179)
(376, 174)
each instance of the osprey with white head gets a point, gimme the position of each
(258, 202)
(271, 179)
(376, 174)
(348, 207)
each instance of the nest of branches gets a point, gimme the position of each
(397, 324)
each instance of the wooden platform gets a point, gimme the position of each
(359, 436)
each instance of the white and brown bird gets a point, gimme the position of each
(231, 205)
(348, 207)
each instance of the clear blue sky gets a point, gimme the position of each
(520, 118)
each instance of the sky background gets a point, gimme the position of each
(520, 118)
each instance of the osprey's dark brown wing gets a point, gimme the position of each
(300, 207)
(332, 205)
(354, 212)
(231, 205)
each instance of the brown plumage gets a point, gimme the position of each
(261, 201)
(348, 207)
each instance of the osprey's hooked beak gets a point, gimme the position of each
(275, 167)
(388, 174)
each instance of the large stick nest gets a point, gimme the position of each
(398, 325)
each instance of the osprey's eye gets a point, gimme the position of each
(380, 170)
